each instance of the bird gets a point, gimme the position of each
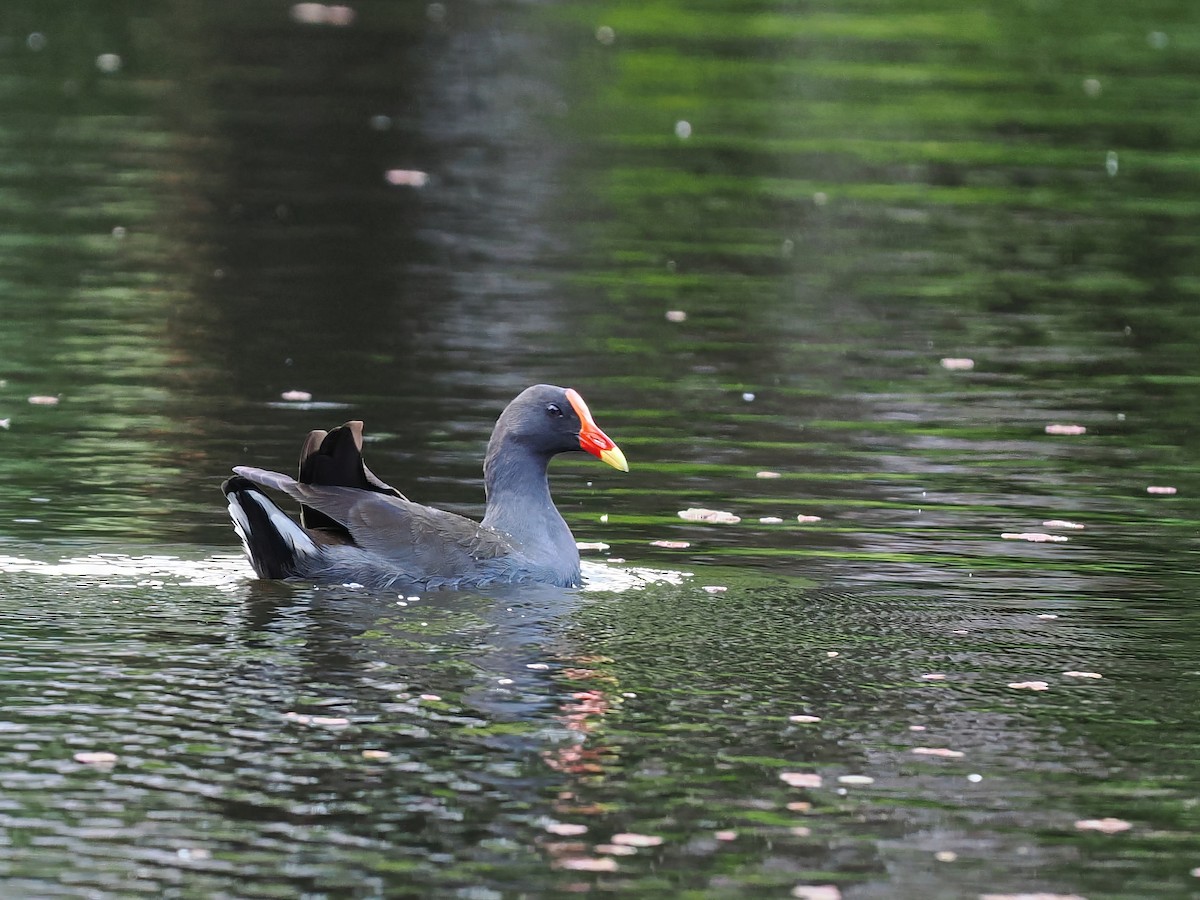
(355, 528)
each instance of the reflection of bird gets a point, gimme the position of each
(356, 528)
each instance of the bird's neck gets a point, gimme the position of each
(519, 501)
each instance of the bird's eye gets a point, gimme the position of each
(553, 411)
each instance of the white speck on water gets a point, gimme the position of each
(1152, 489)
(538, 667)
(974, 778)
(407, 178)
(1047, 616)
(699, 514)
(1091, 87)
(832, 654)
(604, 518)
(1029, 685)
(96, 758)
(119, 232)
(436, 12)
(108, 63)
(748, 396)
(1056, 428)
(946, 856)
(683, 129)
(856, 779)
(770, 520)
(36, 41)
(800, 779)
(1158, 40)
(820, 198)
(676, 315)
(296, 396)
(958, 363)
(804, 720)
(805, 520)
(380, 122)
(605, 35)
(6, 424)
(1034, 537)
(1110, 163)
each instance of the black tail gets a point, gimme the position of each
(334, 459)
(272, 541)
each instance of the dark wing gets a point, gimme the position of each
(422, 542)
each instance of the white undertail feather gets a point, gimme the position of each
(292, 533)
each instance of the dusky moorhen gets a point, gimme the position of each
(356, 528)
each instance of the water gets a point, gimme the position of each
(756, 238)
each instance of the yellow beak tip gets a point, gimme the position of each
(615, 458)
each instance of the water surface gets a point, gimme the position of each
(909, 288)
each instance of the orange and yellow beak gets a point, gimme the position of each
(592, 439)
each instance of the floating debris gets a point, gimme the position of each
(676, 315)
(430, 698)
(108, 63)
(1111, 163)
(413, 178)
(325, 721)
(1107, 825)
(322, 14)
(943, 752)
(832, 654)
(96, 758)
(917, 728)
(1092, 87)
(934, 676)
(958, 363)
(1152, 489)
(43, 400)
(766, 473)
(591, 545)
(800, 831)
(816, 892)
(605, 35)
(804, 520)
(800, 779)
(683, 129)
(716, 516)
(799, 806)
(1047, 616)
(748, 396)
(671, 545)
(946, 856)
(770, 520)
(1034, 537)
(566, 829)
(588, 864)
(1074, 674)
(1066, 429)
(1062, 523)
(715, 588)
(804, 720)
(1029, 685)
(296, 396)
(615, 849)
(5, 424)
(376, 754)
(855, 779)
(974, 778)
(632, 839)
(725, 835)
